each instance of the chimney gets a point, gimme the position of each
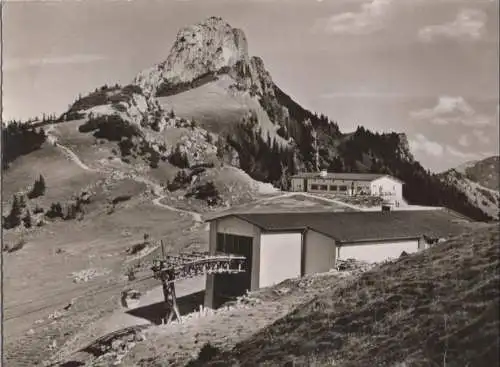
(323, 173)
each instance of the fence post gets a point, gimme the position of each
(163, 249)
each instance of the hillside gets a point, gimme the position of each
(479, 182)
(486, 199)
(484, 172)
(438, 307)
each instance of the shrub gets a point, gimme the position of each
(178, 158)
(14, 218)
(19, 245)
(202, 165)
(120, 199)
(38, 188)
(209, 138)
(126, 145)
(206, 354)
(154, 159)
(28, 223)
(180, 180)
(113, 128)
(131, 89)
(20, 139)
(207, 192)
(55, 211)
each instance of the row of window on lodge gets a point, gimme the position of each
(342, 188)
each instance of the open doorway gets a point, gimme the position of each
(229, 286)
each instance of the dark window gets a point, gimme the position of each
(333, 187)
(314, 187)
(323, 187)
(229, 286)
(343, 188)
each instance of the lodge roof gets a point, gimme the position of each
(345, 176)
(362, 226)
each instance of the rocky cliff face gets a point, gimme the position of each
(479, 182)
(484, 172)
(484, 198)
(199, 49)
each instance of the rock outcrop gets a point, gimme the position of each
(199, 49)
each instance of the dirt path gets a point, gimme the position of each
(67, 151)
(155, 188)
(196, 216)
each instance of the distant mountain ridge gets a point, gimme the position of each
(479, 181)
(209, 81)
(485, 172)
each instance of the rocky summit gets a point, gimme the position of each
(199, 49)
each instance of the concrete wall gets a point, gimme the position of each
(390, 188)
(280, 257)
(238, 227)
(319, 253)
(376, 251)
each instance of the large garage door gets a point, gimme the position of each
(280, 257)
(229, 286)
(376, 252)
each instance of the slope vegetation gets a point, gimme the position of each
(484, 172)
(438, 307)
(484, 198)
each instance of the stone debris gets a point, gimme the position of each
(282, 291)
(56, 315)
(88, 274)
(352, 266)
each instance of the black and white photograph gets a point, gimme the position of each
(294, 183)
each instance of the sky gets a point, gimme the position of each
(428, 68)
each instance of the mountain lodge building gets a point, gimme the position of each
(373, 184)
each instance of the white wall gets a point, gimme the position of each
(376, 252)
(280, 257)
(236, 226)
(319, 253)
(391, 188)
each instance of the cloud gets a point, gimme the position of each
(422, 144)
(469, 24)
(333, 95)
(368, 19)
(481, 136)
(463, 141)
(19, 63)
(452, 110)
(466, 155)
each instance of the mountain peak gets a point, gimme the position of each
(199, 49)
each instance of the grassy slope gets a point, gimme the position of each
(63, 178)
(38, 280)
(438, 307)
(215, 108)
(38, 277)
(176, 344)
